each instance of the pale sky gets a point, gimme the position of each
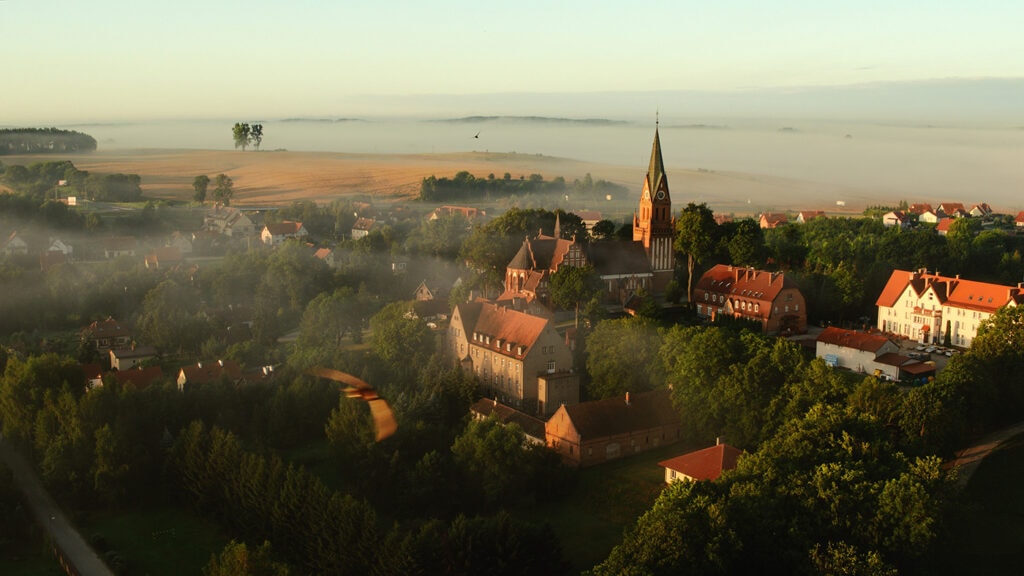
(112, 60)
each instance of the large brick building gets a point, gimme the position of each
(767, 298)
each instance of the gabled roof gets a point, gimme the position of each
(211, 372)
(706, 464)
(507, 415)
(164, 256)
(500, 329)
(140, 377)
(747, 283)
(772, 219)
(364, 224)
(611, 416)
(322, 253)
(951, 207)
(134, 352)
(920, 208)
(942, 226)
(285, 228)
(808, 215)
(894, 359)
(1019, 220)
(852, 339)
(955, 292)
(108, 328)
(619, 258)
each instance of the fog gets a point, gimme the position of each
(918, 162)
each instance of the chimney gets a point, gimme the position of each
(718, 440)
(627, 398)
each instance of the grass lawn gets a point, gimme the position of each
(987, 530)
(155, 540)
(606, 500)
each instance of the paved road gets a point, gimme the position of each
(50, 518)
(968, 459)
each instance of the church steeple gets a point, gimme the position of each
(653, 224)
(656, 178)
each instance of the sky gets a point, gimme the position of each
(119, 60)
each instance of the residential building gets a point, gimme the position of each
(861, 352)
(163, 257)
(467, 212)
(208, 373)
(920, 208)
(705, 464)
(770, 220)
(277, 233)
(589, 218)
(806, 216)
(128, 358)
(982, 210)
(362, 227)
(15, 245)
(768, 298)
(942, 226)
(591, 433)
(1019, 220)
(896, 218)
(228, 221)
(508, 351)
(952, 209)
(107, 335)
(926, 307)
(928, 217)
(328, 256)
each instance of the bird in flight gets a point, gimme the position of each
(477, 135)
(383, 417)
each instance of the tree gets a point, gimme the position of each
(622, 356)
(695, 237)
(237, 560)
(224, 190)
(401, 339)
(257, 135)
(603, 230)
(200, 184)
(242, 134)
(571, 285)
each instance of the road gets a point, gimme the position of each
(49, 516)
(968, 459)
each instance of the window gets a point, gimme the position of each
(551, 366)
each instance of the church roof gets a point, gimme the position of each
(617, 258)
(656, 170)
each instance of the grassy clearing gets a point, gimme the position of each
(606, 500)
(158, 540)
(986, 533)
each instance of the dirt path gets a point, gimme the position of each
(49, 516)
(968, 459)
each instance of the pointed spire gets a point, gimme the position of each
(656, 171)
(558, 226)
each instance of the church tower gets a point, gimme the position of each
(654, 225)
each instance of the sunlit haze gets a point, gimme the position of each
(116, 60)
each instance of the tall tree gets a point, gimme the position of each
(572, 285)
(242, 134)
(224, 189)
(256, 134)
(695, 237)
(200, 184)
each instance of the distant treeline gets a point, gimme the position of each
(52, 179)
(465, 186)
(44, 141)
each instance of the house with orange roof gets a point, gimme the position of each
(591, 433)
(705, 464)
(327, 255)
(228, 221)
(208, 373)
(767, 298)
(952, 209)
(468, 212)
(139, 377)
(107, 335)
(926, 307)
(861, 352)
(942, 227)
(1019, 220)
(896, 218)
(163, 257)
(806, 216)
(362, 227)
(770, 220)
(920, 208)
(277, 233)
(511, 353)
(928, 217)
(980, 210)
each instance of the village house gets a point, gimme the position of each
(896, 218)
(328, 257)
(200, 373)
(362, 227)
(806, 216)
(942, 227)
(467, 212)
(952, 209)
(926, 307)
(589, 218)
(1019, 220)
(117, 246)
(595, 432)
(769, 220)
(768, 298)
(15, 245)
(920, 208)
(928, 217)
(128, 358)
(982, 210)
(183, 242)
(163, 257)
(533, 428)
(509, 351)
(705, 464)
(107, 335)
(277, 233)
(228, 221)
(865, 353)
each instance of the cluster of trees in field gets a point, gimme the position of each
(44, 141)
(467, 187)
(245, 135)
(42, 180)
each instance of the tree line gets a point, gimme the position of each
(464, 186)
(44, 141)
(45, 180)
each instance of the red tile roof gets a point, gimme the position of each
(212, 372)
(944, 224)
(852, 339)
(706, 464)
(284, 228)
(140, 377)
(611, 416)
(747, 283)
(955, 292)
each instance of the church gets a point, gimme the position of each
(646, 264)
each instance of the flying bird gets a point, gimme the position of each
(477, 135)
(383, 417)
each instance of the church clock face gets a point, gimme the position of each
(660, 195)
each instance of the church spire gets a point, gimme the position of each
(656, 171)
(558, 227)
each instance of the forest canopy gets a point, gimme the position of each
(44, 141)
